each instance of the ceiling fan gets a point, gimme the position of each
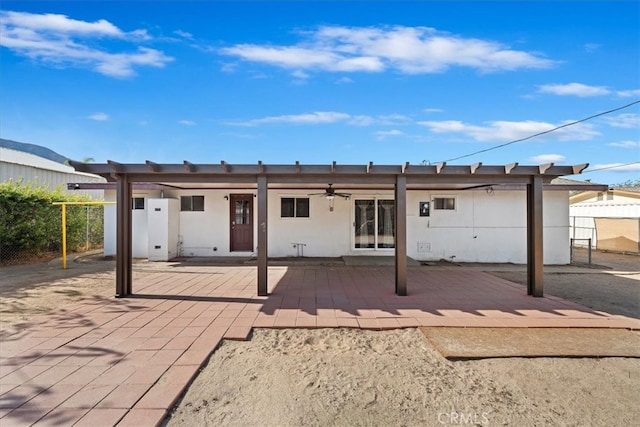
(330, 194)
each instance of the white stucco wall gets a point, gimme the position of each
(484, 227)
(140, 243)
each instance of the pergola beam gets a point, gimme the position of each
(190, 167)
(154, 167)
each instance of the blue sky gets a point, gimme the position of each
(388, 82)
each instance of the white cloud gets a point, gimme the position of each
(433, 110)
(574, 89)
(393, 119)
(591, 47)
(408, 50)
(300, 75)
(361, 120)
(59, 24)
(381, 135)
(617, 167)
(183, 34)
(344, 80)
(99, 117)
(66, 42)
(508, 131)
(328, 117)
(319, 117)
(627, 120)
(547, 158)
(187, 122)
(625, 144)
(628, 93)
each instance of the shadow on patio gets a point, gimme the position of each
(363, 296)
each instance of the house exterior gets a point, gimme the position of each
(31, 169)
(372, 209)
(610, 218)
(486, 225)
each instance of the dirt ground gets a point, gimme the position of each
(352, 377)
(347, 377)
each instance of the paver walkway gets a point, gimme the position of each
(108, 361)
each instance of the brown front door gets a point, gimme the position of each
(241, 217)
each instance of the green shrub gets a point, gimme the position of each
(30, 224)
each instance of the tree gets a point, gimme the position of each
(630, 183)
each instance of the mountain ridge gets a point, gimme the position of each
(37, 150)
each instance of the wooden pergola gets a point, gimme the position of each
(262, 177)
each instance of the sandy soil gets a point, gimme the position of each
(345, 377)
(353, 377)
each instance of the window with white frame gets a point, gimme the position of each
(192, 203)
(294, 207)
(444, 203)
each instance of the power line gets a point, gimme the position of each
(544, 132)
(610, 167)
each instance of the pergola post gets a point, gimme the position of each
(123, 237)
(262, 236)
(535, 252)
(401, 234)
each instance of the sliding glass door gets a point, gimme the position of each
(374, 224)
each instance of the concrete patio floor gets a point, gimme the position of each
(108, 361)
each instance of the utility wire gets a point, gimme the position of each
(610, 167)
(544, 132)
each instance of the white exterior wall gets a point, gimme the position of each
(483, 228)
(140, 243)
(486, 227)
(206, 233)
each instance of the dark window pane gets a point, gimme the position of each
(444, 203)
(137, 203)
(198, 203)
(450, 203)
(287, 207)
(302, 208)
(185, 203)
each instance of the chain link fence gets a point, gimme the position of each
(30, 237)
